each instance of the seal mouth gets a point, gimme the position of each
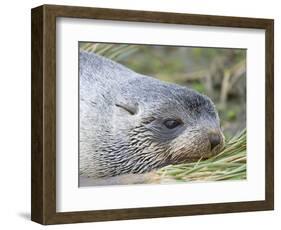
(203, 155)
(200, 146)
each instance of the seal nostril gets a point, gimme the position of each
(214, 139)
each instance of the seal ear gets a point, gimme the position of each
(131, 108)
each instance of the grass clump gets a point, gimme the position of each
(229, 164)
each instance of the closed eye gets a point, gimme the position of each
(171, 123)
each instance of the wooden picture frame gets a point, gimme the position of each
(43, 160)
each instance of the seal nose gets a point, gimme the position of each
(214, 139)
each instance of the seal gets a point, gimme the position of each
(132, 124)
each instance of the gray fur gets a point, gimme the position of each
(121, 121)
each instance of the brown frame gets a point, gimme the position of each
(43, 159)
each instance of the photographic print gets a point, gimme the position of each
(176, 109)
(156, 114)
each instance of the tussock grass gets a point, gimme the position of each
(114, 52)
(229, 164)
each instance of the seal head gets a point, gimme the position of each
(132, 123)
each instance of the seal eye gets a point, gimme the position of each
(171, 124)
